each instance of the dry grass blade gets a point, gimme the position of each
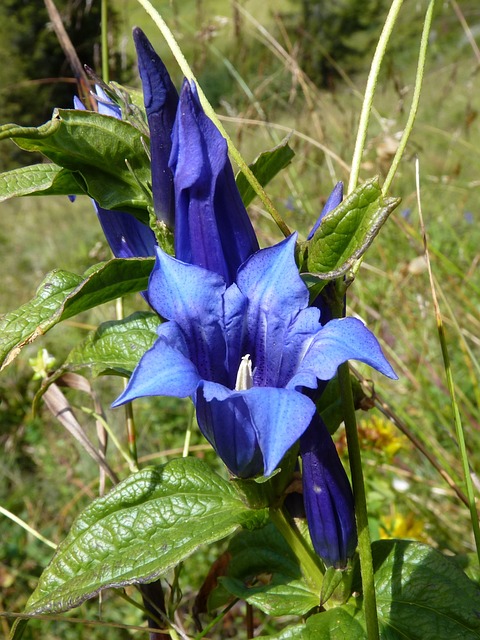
(76, 381)
(70, 53)
(59, 406)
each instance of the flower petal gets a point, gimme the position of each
(212, 227)
(162, 371)
(333, 200)
(276, 294)
(272, 419)
(161, 99)
(327, 497)
(193, 297)
(338, 341)
(127, 236)
(226, 423)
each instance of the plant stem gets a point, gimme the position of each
(364, 545)
(188, 73)
(27, 527)
(370, 92)
(104, 39)
(308, 563)
(129, 419)
(415, 99)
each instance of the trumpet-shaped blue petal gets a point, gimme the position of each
(338, 341)
(276, 294)
(327, 497)
(240, 424)
(193, 298)
(127, 236)
(262, 318)
(212, 227)
(161, 100)
(162, 371)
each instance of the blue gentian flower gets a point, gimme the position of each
(161, 99)
(126, 236)
(212, 227)
(244, 353)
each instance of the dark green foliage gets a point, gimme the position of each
(336, 32)
(38, 76)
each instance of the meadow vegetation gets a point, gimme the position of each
(249, 65)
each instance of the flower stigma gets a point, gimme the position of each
(244, 379)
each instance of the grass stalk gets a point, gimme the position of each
(415, 99)
(370, 92)
(450, 382)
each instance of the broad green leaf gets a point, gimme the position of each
(346, 232)
(264, 571)
(38, 179)
(421, 595)
(335, 624)
(116, 346)
(63, 294)
(145, 526)
(265, 167)
(80, 141)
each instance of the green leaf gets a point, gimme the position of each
(346, 232)
(80, 141)
(264, 168)
(145, 526)
(263, 571)
(421, 595)
(335, 624)
(38, 179)
(63, 294)
(116, 346)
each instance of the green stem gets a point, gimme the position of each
(415, 99)
(27, 527)
(370, 92)
(364, 545)
(129, 419)
(188, 73)
(104, 39)
(308, 562)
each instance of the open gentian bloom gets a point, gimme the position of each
(126, 236)
(212, 227)
(244, 352)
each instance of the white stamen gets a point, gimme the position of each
(244, 374)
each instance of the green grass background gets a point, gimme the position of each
(44, 476)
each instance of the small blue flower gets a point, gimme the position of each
(212, 227)
(161, 100)
(327, 497)
(244, 352)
